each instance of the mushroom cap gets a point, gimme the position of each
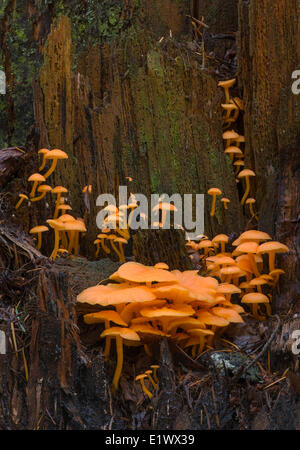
(232, 150)
(210, 319)
(121, 240)
(161, 265)
(252, 235)
(241, 139)
(230, 134)
(56, 154)
(39, 229)
(239, 162)
(44, 188)
(231, 270)
(75, 225)
(259, 281)
(59, 190)
(227, 83)
(225, 200)
(255, 297)
(247, 247)
(201, 332)
(23, 196)
(239, 102)
(275, 272)
(174, 292)
(166, 312)
(66, 218)
(250, 200)
(138, 273)
(229, 106)
(87, 188)
(220, 238)
(56, 224)
(36, 177)
(101, 236)
(185, 323)
(226, 288)
(140, 377)
(214, 191)
(222, 260)
(146, 330)
(246, 173)
(115, 294)
(102, 316)
(125, 333)
(97, 241)
(229, 314)
(64, 207)
(272, 246)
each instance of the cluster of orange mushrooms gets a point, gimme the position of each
(141, 304)
(233, 141)
(66, 228)
(116, 220)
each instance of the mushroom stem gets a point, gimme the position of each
(151, 379)
(105, 248)
(116, 250)
(255, 311)
(246, 191)
(56, 245)
(35, 185)
(271, 261)
(155, 374)
(40, 197)
(147, 392)
(107, 342)
(97, 249)
(71, 241)
(118, 371)
(147, 350)
(123, 259)
(19, 202)
(252, 211)
(76, 243)
(43, 163)
(52, 168)
(254, 265)
(39, 243)
(213, 206)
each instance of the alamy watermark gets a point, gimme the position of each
(187, 212)
(2, 83)
(296, 343)
(296, 84)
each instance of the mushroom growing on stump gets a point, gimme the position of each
(233, 151)
(246, 173)
(214, 192)
(43, 188)
(200, 337)
(121, 242)
(254, 299)
(226, 85)
(43, 152)
(272, 248)
(119, 334)
(141, 378)
(106, 317)
(57, 226)
(155, 367)
(36, 178)
(39, 230)
(22, 197)
(220, 239)
(102, 237)
(58, 190)
(229, 136)
(250, 202)
(225, 202)
(97, 243)
(54, 156)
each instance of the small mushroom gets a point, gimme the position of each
(43, 152)
(43, 188)
(225, 202)
(141, 378)
(272, 248)
(155, 367)
(226, 85)
(250, 202)
(214, 192)
(22, 197)
(254, 299)
(39, 230)
(54, 156)
(57, 226)
(36, 178)
(246, 173)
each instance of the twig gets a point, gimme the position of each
(243, 368)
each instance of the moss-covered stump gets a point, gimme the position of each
(168, 246)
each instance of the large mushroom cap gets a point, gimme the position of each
(138, 273)
(125, 333)
(56, 154)
(102, 316)
(115, 294)
(272, 246)
(255, 297)
(226, 313)
(36, 177)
